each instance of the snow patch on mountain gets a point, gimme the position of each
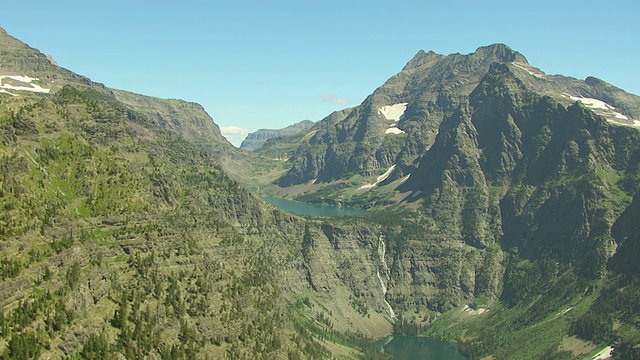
(393, 112)
(608, 111)
(394, 130)
(592, 103)
(528, 69)
(24, 79)
(25, 84)
(604, 354)
(380, 179)
(473, 312)
(2, 91)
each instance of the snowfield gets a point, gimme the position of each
(380, 179)
(2, 91)
(393, 112)
(394, 130)
(602, 108)
(605, 354)
(564, 311)
(472, 312)
(593, 103)
(23, 79)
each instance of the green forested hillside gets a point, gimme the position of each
(120, 238)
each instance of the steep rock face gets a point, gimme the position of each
(625, 232)
(557, 163)
(522, 170)
(431, 86)
(516, 178)
(430, 89)
(257, 139)
(506, 165)
(337, 264)
(188, 119)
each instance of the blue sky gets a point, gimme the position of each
(268, 64)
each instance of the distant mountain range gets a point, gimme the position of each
(256, 139)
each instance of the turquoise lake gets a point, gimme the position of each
(310, 209)
(419, 348)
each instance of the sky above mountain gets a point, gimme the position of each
(269, 64)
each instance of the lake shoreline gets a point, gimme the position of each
(418, 347)
(309, 209)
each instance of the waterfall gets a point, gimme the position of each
(382, 250)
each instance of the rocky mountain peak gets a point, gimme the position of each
(427, 93)
(422, 58)
(490, 53)
(501, 53)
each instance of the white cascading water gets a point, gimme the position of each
(382, 250)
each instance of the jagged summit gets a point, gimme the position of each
(402, 119)
(501, 52)
(494, 52)
(422, 58)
